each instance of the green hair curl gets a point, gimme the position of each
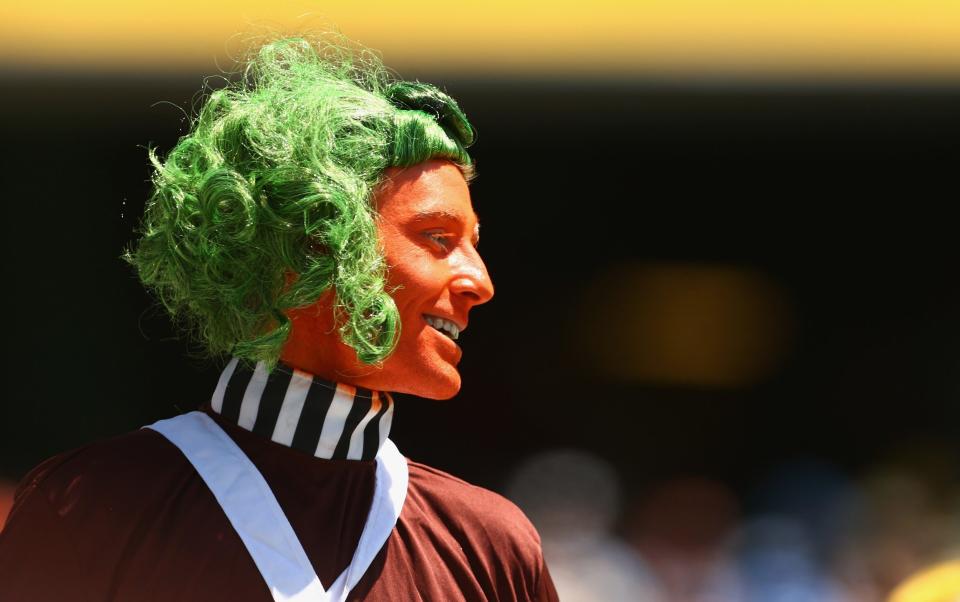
(274, 178)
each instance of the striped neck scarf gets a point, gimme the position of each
(328, 420)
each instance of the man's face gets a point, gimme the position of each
(429, 234)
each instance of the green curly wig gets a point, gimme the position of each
(275, 179)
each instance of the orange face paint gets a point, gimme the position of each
(429, 232)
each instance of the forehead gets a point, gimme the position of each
(429, 190)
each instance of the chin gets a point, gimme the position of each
(439, 384)
(439, 389)
(424, 365)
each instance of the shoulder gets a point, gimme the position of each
(473, 531)
(470, 510)
(73, 514)
(100, 477)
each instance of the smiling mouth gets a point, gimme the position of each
(444, 326)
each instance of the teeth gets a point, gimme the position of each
(445, 326)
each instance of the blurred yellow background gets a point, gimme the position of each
(904, 39)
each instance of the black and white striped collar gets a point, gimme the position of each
(293, 408)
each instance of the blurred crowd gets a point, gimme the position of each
(806, 532)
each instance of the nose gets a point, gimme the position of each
(471, 280)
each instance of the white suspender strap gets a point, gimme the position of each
(388, 497)
(252, 509)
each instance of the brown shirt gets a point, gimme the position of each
(129, 519)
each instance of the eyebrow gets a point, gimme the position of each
(421, 216)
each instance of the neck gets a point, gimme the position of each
(334, 421)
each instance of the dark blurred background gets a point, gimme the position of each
(723, 361)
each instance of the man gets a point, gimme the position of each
(316, 225)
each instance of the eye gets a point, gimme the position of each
(443, 239)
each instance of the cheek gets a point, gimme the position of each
(411, 286)
(415, 279)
